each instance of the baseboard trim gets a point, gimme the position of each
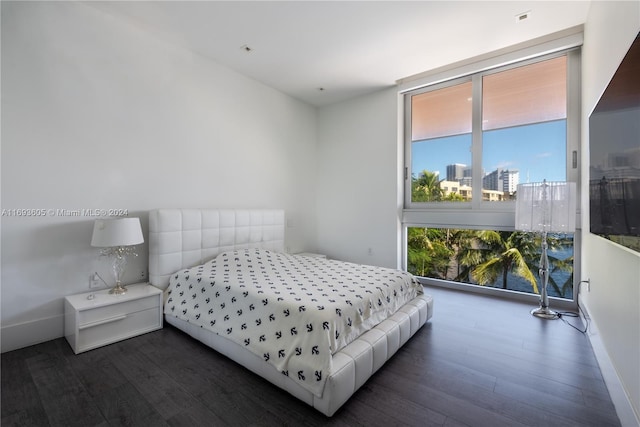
(619, 397)
(21, 335)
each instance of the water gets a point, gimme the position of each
(516, 283)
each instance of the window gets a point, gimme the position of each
(505, 260)
(440, 138)
(524, 115)
(469, 142)
(522, 111)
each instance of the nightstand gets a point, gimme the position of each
(108, 318)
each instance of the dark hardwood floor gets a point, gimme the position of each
(479, 361)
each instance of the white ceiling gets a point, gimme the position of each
(349, 48)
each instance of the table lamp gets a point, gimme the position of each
(117, 237)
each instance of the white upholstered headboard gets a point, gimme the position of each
(182, 238)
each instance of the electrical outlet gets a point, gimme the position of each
(94, 281)
(143, 274)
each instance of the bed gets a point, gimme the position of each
(314, 327)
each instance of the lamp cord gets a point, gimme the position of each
(563, 314)
(100, 277)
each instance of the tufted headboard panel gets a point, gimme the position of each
(182, 238)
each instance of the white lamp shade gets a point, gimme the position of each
(546, 207)
(117, 232)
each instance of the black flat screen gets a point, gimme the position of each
(614, 144)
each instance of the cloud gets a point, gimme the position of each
(505, 164)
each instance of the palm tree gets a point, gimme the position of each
(461, 241)
(554, 242)
(562, 265)
(483, 257)
(498, 253)
(426, 187)
(427, 254)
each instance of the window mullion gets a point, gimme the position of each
(573, 118)
(476, 138)
(407, 152)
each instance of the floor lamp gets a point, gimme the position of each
(546, 207)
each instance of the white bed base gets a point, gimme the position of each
(182, 238)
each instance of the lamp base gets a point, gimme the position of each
(118, 289)
(545, 313)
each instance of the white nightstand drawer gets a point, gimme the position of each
(94, 319)
(100, 314)
(117, 328)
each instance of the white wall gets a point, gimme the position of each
(357, 207)
(97, 114)
(613, 296)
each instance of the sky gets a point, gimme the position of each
(538, 151)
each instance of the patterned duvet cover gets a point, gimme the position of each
(293, 311)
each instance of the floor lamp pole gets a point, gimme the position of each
(544, 311)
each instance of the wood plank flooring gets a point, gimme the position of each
(479, 361)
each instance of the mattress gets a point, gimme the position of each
(293, 312)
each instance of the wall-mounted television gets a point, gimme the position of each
(614, 145)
